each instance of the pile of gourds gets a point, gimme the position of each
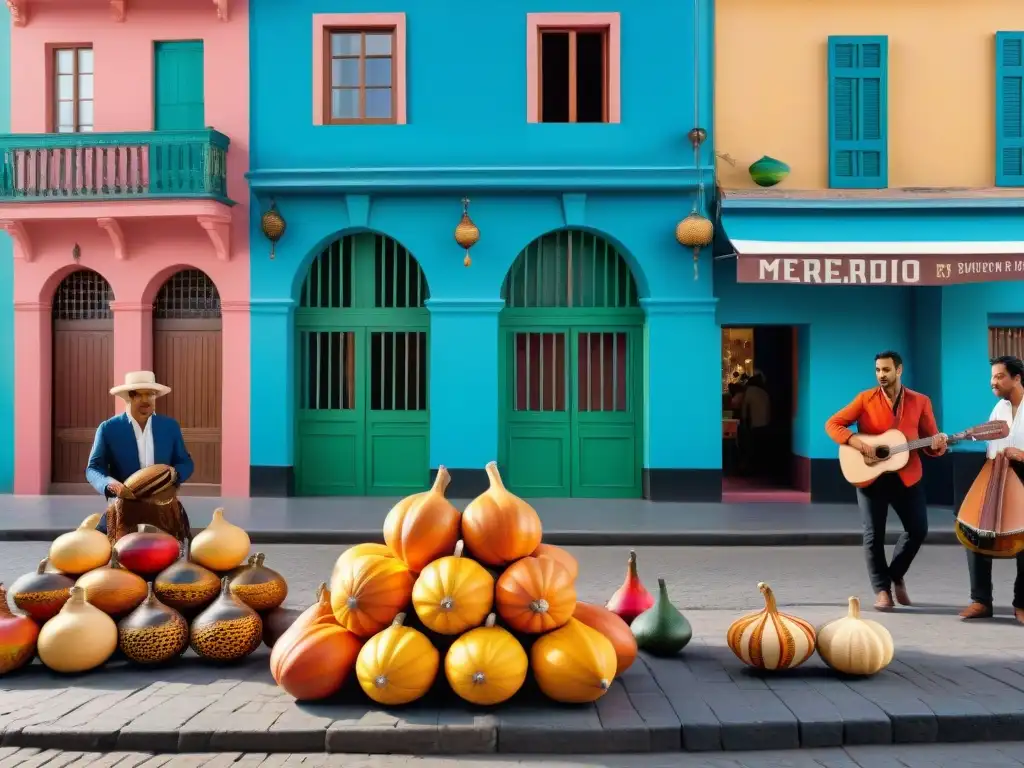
(476, 594)
(148, 596)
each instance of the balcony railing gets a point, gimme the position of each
(83, 167)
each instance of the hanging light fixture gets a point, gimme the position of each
(696, 231)
(467, 234)
(273, 226)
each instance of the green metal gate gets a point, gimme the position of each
(572, 371)
(362, 364)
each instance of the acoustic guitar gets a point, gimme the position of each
(892, 450)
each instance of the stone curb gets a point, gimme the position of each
(573, 538)
(699, 702)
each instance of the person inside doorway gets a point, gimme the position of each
(1008, 385)
(136, 439)
(890, 405)
(755, 423)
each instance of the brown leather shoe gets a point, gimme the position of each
(1019, 614)
(883, 601)
(976, 611)
(900, 590)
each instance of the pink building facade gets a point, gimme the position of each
(124, 193)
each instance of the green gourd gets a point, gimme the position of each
(661, 630)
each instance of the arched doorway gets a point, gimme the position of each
(83, 372)
(362, 421)
(572, 367)
(188, 358)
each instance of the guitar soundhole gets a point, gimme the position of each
(882, 451)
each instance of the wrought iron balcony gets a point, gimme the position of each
(87, 167)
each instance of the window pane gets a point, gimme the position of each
(378, 71)
(378, 103)
(85, 113)
(345, 104)
(345, 73)
(65, 86)
(65, 61)
(66, 113)
(85, 86)
(85, 61)
(345, 44)
(554, 73)
(377, 45)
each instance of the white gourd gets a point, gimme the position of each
(854, 645)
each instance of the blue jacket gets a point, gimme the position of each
(115, 453)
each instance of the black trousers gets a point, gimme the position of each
(909, 503)
(980, 568)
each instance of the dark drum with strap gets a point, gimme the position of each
(150, 497)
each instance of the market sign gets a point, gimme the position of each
(879, 270)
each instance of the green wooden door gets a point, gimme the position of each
(571, 337)
(363, 425)
(178, 100)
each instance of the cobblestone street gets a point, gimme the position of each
(951, 681)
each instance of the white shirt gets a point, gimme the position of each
(757, 407)
(1004, 412)
(144, 440)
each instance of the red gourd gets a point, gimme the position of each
(18, 635)
(147, 551)
(632, 598)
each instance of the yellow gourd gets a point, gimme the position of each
(368, 592)
(80, 550)
(397, 665)
(769, 639)
(221, 546)
(854, 645)
(453, 594)
(423, 527)
(79, 638)
(574, 664)
(487, 665)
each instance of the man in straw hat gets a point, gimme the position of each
(136, 439)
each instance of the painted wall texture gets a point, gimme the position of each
(941, 86)
(6, 288)
(135, 244)
(468, 131)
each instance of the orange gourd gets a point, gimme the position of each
(498, 527)
(113, 589)
(612, 627)
(368, 592)
(278, 621)
(18, 635)
(559, 555)
(398, 665)
(313, 661)
(423, 527)
(535, 595)
(359, 550)
(574, 664)
(453, 594)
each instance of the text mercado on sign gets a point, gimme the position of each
(878, 270)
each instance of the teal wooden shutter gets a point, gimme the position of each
(178, 88)
(858, 106)
(1010, 109)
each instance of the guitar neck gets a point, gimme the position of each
(923, 442)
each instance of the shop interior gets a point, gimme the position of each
(759, 390)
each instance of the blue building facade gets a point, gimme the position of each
(580, 349)
(6, 290)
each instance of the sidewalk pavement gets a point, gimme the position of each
(592, 522)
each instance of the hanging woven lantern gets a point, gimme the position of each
(467, 234)
(696, 232)
(273, 225)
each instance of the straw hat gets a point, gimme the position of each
(135, 381)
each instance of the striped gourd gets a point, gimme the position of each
(769, 639)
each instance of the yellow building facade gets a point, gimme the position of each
(772, 86)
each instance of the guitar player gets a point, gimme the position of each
(1007, 376)
(890, 405)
